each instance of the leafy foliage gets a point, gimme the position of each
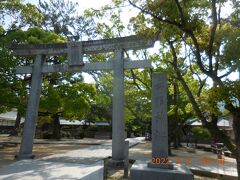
(71, 101)
(200, 133)
(20, 14)
(203, 45)
(61, 17)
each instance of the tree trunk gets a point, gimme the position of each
(211, 126)
(16, 125)
(177, 141)
(176, 119)
(234, 147)
(169, 148)
(56, 127)
(236, 129)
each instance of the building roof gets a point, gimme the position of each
(10, 116)
(222, 122)
(98, 123)
(82, 122)
(72, 122)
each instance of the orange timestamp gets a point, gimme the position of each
(162, 160)
(186, 160)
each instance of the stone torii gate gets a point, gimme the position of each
(75, 51)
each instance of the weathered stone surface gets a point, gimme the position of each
(159, 116)
(118, 125)
(75, 54)
(160, 167)
(168, 165)
(96, 66)
(140, 171)
(160, 149)
(32, 109)
(126, 159)
(94, 46)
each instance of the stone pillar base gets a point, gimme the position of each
(169, 165)
(116, 163)
(24, 156)
(141, 171)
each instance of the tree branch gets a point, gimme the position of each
(184, 84)
(201, 82)
(211, 126)
(217, 60)
(133, 112)
(134, 80)
(155, 16)
(189, 32)
(180, 11)
(226, 74)
(44, 113)
(212, 34)
(139, 79)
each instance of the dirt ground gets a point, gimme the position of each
(7, 154)
(140, 151)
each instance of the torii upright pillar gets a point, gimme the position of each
(32, 109)
(118, 129)
(75, 51)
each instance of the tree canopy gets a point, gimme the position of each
(197, 48)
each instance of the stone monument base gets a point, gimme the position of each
(169, 165)
(141, 171)
(24, 156)
(116, 164)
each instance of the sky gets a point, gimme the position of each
(86, 4)
(83, 4)
(97, 4)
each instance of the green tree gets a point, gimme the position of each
(61, 17)
(101, 109)
(14, 13)
(63, 95)
(138, 101)
(199, 134)
(137, 83)
(210, 47)
(70, 100)
(13, 16)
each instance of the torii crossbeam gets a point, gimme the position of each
(75, 52)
